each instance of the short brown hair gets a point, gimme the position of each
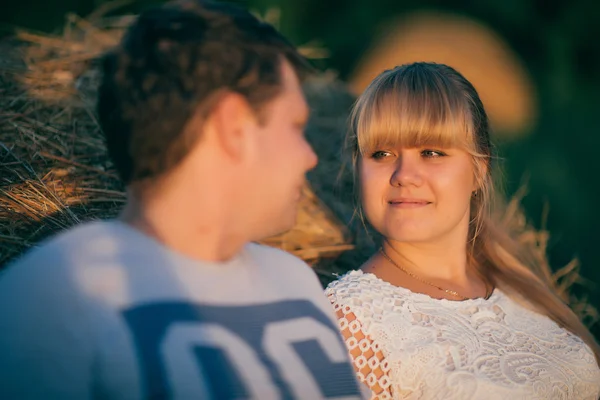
(170, 64)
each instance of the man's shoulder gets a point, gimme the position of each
(268, 255)
(47, 275)
(71, 243)
(274, 261)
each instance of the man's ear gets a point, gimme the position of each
(233, 123)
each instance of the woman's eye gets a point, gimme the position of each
(379, 155)
(432, 153)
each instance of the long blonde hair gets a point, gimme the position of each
(421, 104)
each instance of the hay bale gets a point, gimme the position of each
(471, 47)
(53, 161)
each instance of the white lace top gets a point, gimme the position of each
(407, 345)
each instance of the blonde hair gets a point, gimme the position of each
(421, 104)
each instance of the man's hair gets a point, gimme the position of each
(172, 64)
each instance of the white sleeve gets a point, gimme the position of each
(46, 351)
(368, 360)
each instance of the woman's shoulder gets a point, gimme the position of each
(352, 283)
(356, 287)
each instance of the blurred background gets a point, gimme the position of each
(535, 63)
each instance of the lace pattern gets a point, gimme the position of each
(408, 345)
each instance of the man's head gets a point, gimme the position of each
(192, 69)
(172, 63)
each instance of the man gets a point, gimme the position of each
(203, 115)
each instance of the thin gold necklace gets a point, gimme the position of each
(448, 291)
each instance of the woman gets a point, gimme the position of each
(450, 306)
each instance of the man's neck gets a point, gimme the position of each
(203, 237)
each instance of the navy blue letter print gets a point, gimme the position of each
(282, 350)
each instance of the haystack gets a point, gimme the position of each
(54, 166)
(471, 47)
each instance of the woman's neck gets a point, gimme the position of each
(438, 261)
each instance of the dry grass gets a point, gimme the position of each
(53, 163)
(53, 166)
(564, 279)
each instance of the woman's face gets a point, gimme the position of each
(417, 194)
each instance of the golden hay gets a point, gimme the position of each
(564, 279)
(55, 170)
(471, 47)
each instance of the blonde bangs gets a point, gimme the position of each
(411, 111)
